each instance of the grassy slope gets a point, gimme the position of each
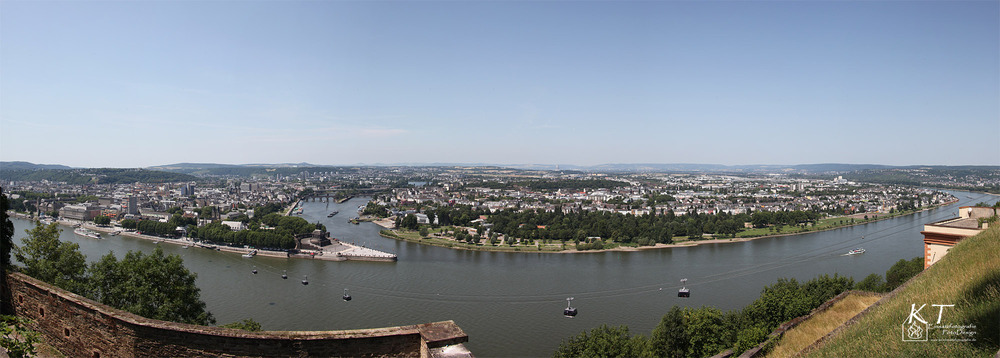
(819, 325)
(969, 277)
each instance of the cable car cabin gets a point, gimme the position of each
(347, 297)
(570, 311)
(684, 292)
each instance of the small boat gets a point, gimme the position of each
(250, 254)
(84, 232)
(856, 251)
(116, 233)
(332, 214)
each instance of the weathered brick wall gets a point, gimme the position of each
(79, 327)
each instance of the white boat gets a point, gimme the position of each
(250, 254)
(84, 232)
(856, 251)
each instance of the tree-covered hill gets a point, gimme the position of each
(94, 176)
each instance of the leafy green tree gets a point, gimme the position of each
(129, 224)
(102, 220)
(873, 283)
(824, 287)
(6, 234)
(50, 260)
(409, 222)
(670, 338)
(778, 303)
(155, 286)
(247, 324)
(208, 212)
(602, 341)
(749, 338)
(15, 338)
(704, 327)
(902, 271)
(423, 231)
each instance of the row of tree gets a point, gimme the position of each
(268, 231)
(627, 228)
(621, 228)
(219, 233)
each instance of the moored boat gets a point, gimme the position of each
(84, 232)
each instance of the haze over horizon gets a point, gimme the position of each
(139, 84)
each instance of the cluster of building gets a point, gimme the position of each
(488, 188)
(681, 193)
(149, 200)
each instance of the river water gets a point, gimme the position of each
(510, 304)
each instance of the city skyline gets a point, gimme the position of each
(122, 84)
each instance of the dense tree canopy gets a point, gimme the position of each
(155, 286)
(902, 271)
(46, 258)
(102, 220)
(279, 233)
(601, 342)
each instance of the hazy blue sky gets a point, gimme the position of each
(125, 84)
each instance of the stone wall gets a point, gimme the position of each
(79, 327)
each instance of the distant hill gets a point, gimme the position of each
(94, 176)
(202, 166)
(29, 166)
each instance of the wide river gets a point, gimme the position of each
(510, 304)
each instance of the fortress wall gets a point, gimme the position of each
(80, 327)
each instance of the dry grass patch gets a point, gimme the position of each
(819, 325)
